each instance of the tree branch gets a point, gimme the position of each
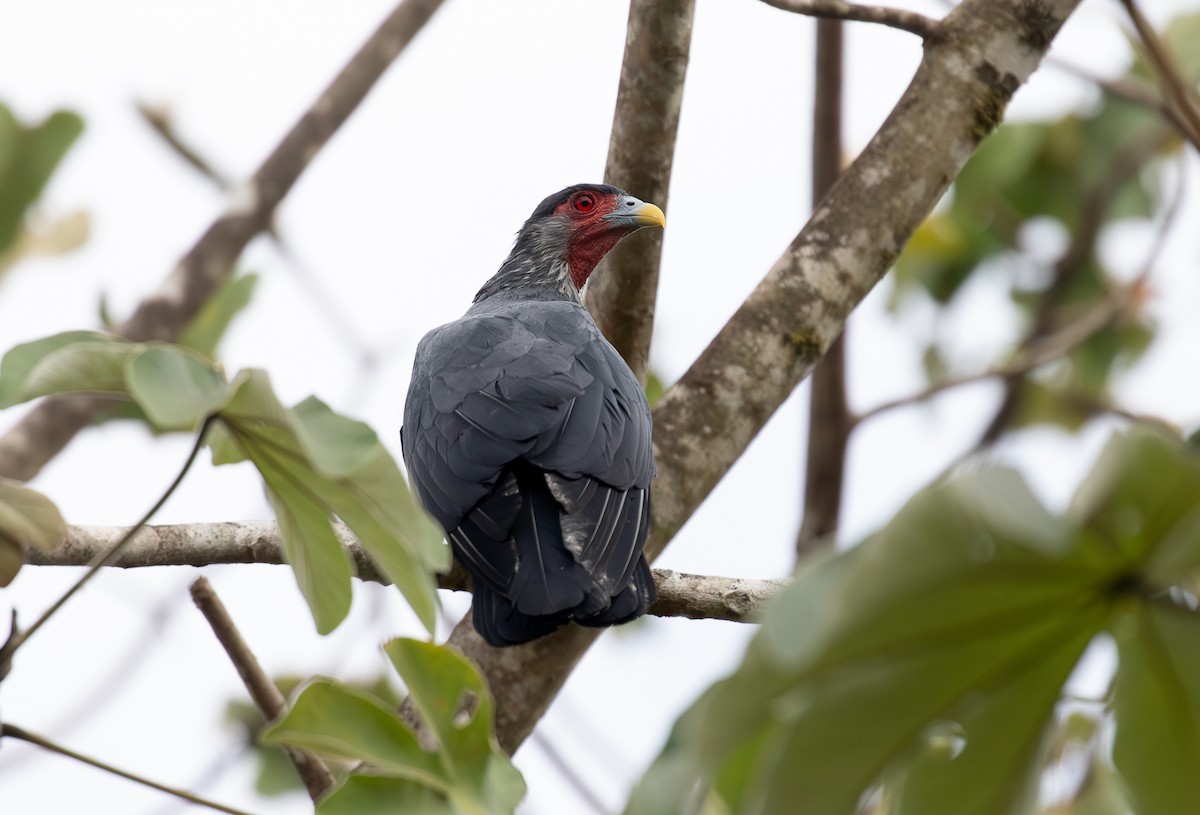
(978, 56)
(829, 420)
(209, 544)
(640, 154)
(908, 21)
(49, 427)
(13, 732)
(1167, 73)
(312, 771)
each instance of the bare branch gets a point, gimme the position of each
(13, 732)
(640, 154)
(829, 420)
(983, 52)
(312, 771)
(1168, 75)
(50, 426)
(1130, 91)
(908, 21)
(680, 595)
(1036, 354)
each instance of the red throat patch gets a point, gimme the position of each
(588, 247)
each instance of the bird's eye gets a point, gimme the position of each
(584, 203)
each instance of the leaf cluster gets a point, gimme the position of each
(922, 670)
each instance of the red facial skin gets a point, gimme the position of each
(591, 236)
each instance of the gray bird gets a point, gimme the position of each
(528, 437)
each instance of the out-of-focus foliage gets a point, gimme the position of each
(929, 660)
(315, 463)
(459, 770)
(27, 519)
(28, 157)
(1083, 172)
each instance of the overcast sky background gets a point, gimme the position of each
(408, 210)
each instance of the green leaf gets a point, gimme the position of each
(963, 616)
(335, 720)
(28, 157)
(333, 466)
(320, 563)
(262, 430)
(336, 445)
(1157, 745)
(456, 706)
(28, 519)
(176, 387)
(206, 329)
(1002, 732)
(1140, 500)
(20, 362)
(381, 795)
(466, 773)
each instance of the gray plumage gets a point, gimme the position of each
(529, 439)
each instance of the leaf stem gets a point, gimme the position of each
(12, 731)
(106, 558)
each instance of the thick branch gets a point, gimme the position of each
(50, 426)
(979, 55)
(908, 21)
(829, 420)
(640, 154)
(312, 771)
(680, 595)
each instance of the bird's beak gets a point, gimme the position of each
(649, 215)
(632, 212)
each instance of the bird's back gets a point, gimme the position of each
(527, 436)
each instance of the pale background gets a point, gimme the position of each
(412, 205)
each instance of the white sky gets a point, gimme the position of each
(401, 218)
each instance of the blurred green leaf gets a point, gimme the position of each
(176, 387)
(19, 364)
(1157, 745)
(930, 658)
(364, 794)
(206, 329)
(28, 157)
(28, 519)
(965, 614)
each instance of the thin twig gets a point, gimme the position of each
(1165, 69)
(1130, 91)
(43, 432)
(17, 638)
(829, 419)
(908, 21)
(312, 771)
(13, 732)
(572, 776)
(732, 599)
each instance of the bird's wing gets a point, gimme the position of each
(543, 386)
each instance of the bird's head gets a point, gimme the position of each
(579, 225)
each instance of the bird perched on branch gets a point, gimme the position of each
(528, 437)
